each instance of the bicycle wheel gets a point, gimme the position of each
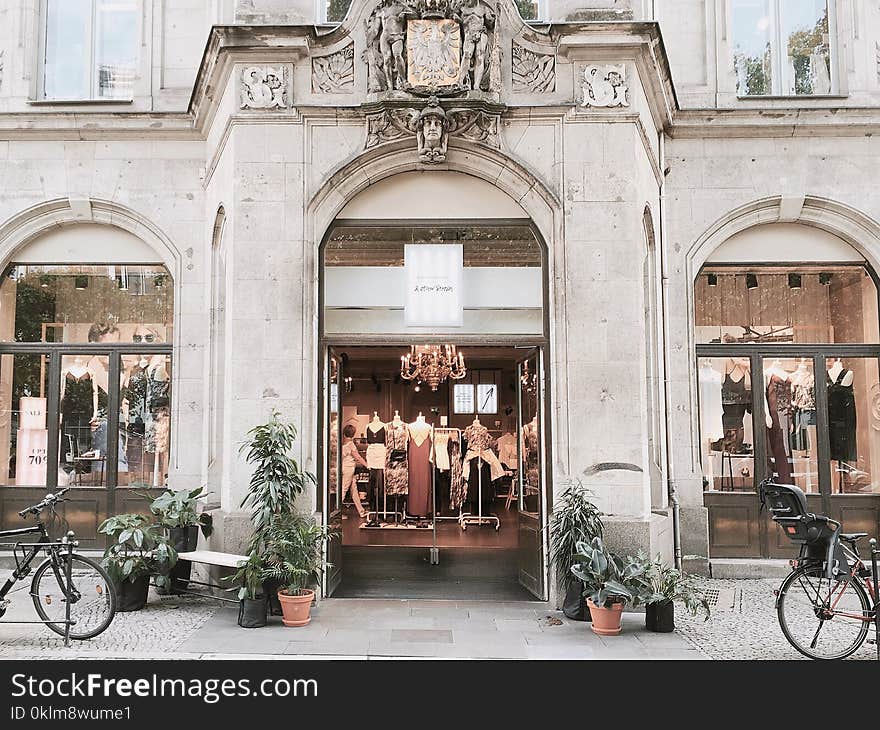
(821, 618)
(93, 603)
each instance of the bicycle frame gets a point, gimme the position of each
(22, 567)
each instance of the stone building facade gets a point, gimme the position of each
(625, 133)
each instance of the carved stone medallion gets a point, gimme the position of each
(263, 87)
(334, 74)
(433, 48)
(532, 72)
(605, 86)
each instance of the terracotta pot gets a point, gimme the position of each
(296, 608)
(606, 620)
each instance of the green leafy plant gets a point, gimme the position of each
(179, 509)
(295, 551)
(139, 549)
(277, 479)
(575, 519)
(608, 578)
(665, 583)
(250, 576)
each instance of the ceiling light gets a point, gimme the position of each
(794, 281)
(751, 281)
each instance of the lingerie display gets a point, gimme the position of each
(842, 418)
(396, 467)
(420, 474)
(779, 405)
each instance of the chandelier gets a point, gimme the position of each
(432, 364)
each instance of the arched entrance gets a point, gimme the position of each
(86, 332)
(788, 372)
(433, 338)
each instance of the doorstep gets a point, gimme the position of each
(747, 568)
(7, 559)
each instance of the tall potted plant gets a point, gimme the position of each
(575, 519)
(177, 511)
(253, 605)
(610, 582)
(139, 550)
(666, 585)
(276, 482)
(295, 560)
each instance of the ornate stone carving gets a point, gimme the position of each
(877, 56)
(334, 74)
(432, 47)
(605, 86)
(1, 68)
(532, 73)
(263, 87)
(433, 50)
(432, 126)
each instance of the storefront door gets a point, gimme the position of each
(333, 394)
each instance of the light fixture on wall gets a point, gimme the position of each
(794, 281)
(713, 279)
(825, 278)
(751, 281)
(81, 282)
(432, 364)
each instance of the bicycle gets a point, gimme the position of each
(72, 594)
(827, 604)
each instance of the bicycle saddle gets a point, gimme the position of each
(852, 536)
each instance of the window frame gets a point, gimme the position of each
(777, 58)
(92, 96)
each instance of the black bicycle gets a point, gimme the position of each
(72, 594)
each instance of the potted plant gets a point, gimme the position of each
(276, 482)
(295, 560)
(575, 519)
(253, 605)
(610, 581)
(666, 585)
(139, 550)
(177, 512)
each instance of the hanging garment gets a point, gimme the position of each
(477, 436)
(803, 391)
(779, 404)
(441, 449)
(376, 449)
(418, 502)
(711, 412)
(736, 401)
(507, 453)
(456, 480)
(76, 413)
(842, 419)
(488, 456)
(396, 469)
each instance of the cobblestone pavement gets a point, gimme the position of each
(155, 632)
(743, 624)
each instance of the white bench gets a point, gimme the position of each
(210, 557)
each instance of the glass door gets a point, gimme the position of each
(532, 501)
(333, 469)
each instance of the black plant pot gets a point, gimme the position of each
(271, 588)
(252, 612)
(132, 595)
(574, 606)
(660, 616)
(183, 539)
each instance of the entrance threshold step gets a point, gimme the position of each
(743, 568)
(7, 559)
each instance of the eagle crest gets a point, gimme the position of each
(433, 52)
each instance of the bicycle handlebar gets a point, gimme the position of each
(47, 501)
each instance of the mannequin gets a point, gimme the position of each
(835, 370)
(778, 410)
(419, 502)
(803, 401)
(396, 420)
(76, 405)
(736, 401)
(842, 420)
(396, 471)
(377, 454)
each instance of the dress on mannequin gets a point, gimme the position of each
(419, 501)
(377, 454)
(778, 413)
(736, 401)
(77, 392)
(477, 437)
(396, 469)
(841, 415)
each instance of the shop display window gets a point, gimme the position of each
(24, 383)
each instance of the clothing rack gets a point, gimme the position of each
(457, 432)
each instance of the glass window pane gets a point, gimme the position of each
(790, 416)
(528, 9)
(853, 424)
(82, 453)
(70, 303)
(116, 47)
(726, 437)
(24, 436)
(336, 10)
(778, 304)
(144, 420)
(68, 49)
(530, 448)
(806, 57)
(751, 34)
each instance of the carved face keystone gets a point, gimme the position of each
(432, 128)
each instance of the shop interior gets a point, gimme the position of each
(431, 440)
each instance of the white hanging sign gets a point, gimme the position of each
(433, 285)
